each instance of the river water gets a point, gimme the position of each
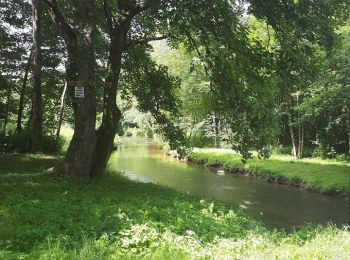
(278, 206)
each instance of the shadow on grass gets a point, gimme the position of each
(29, 164)
(35, 207)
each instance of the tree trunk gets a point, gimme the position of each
(301, 145)
(292, 136)
(348, 126)
(217, 130)
(60, 115)
(9, 92)
(37, 123)
(81, 67)
(111, 113)
(22, 94)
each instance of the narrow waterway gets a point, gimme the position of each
(276, 205)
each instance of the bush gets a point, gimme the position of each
(19, 142)
(282, 150)
(325, 152)
(149, 133)
(22, 143)
(51, 146)
(3, 142)
(287, 150)
(201, 141)
(140, 133)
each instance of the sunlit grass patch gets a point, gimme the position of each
(44, 216)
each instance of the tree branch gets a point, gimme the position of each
(109, 16)
(63, 26)
(139, 9)
(193, 43)
(146, 40)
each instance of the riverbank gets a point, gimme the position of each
(51, 217)
(328, 177)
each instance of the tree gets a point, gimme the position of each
(14, 42)
(80, 67)
(237, 67)
(327, 101)
(37, 109)
(22, 93)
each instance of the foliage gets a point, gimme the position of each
(245, 73)
(117, 218)
(16, 46)
(21, 143)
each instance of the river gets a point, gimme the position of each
(277, 206)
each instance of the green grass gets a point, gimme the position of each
(314, 174)
(51, 217)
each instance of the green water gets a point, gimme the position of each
(276, 205)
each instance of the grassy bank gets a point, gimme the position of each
(50, 217)
(329, 177)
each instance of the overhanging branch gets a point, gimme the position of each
(63, 26)
(146, 40)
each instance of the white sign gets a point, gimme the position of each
(79, 92)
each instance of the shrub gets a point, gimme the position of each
(51, 146)
(282, 150)
(201, 141)
(22, 143)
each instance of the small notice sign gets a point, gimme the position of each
(79, 92)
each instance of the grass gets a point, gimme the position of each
(51, 217)
(330, 177)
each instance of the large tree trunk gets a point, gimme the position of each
(37, 123)
(86, 156)
(81, 67)
(111, 113)
(22, 94)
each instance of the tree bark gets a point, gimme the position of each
(89, 152)
(37, 123)
(217, 130)
(22, 94)
(292, 136)
(9, 92)
(301, 144)
(80, 67)
(111, 113)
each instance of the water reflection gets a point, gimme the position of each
(276, 205)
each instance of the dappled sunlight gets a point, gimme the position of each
(311, 160)
(29, 164)
(52, 216)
